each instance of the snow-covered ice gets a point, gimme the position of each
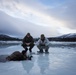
(61, 60)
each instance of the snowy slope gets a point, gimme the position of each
(71, 35)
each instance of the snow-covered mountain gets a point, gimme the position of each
(67, 37)
(71, 35)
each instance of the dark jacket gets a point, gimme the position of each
(28, 39)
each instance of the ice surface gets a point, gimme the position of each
(61, 60)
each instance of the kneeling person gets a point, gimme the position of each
(28, 41)
(43, 43)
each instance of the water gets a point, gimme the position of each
(61, 60)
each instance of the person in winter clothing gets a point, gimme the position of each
(43, 43)
(28, 41)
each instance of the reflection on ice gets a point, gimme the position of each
(27, 66)
(43, 63)
(61, 60)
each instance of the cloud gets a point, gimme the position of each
(65, 12)
(27, 11)
(41, 16)
(71, 14)
(20, 27)
(6, 25)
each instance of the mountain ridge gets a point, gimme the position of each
(5, 37)
(71, 37)
(66, 37)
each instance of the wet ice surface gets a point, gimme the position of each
(61, 60)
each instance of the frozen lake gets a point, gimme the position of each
(61, 60)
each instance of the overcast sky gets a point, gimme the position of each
(50, 17)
